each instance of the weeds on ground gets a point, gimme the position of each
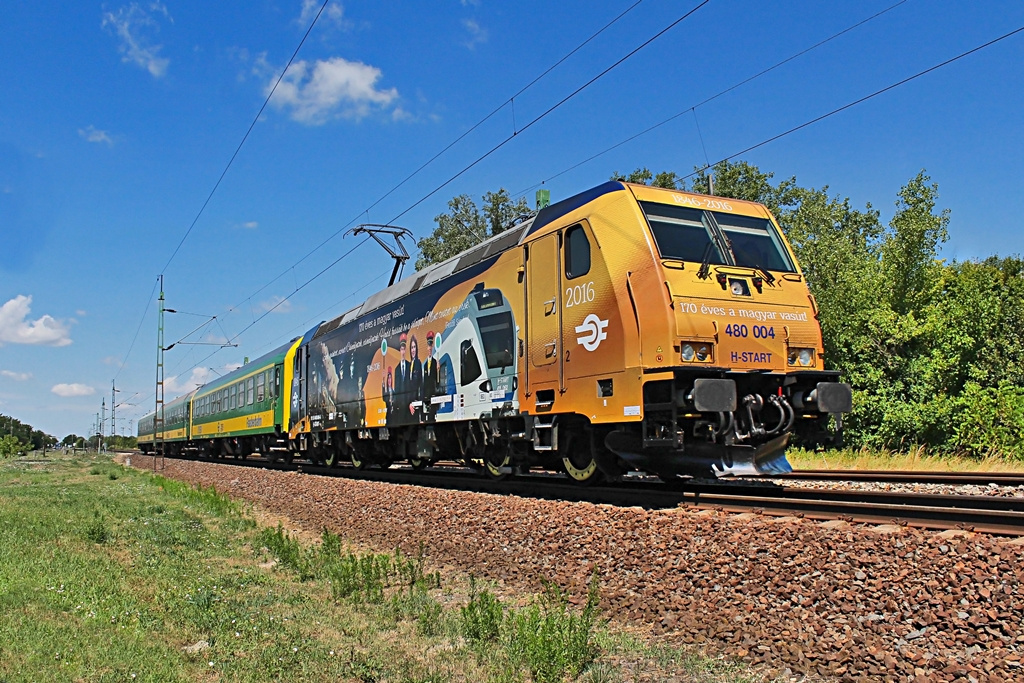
(547, 637)
(914, 458)
(137, 577)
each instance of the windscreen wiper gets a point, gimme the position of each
(768, 277)
(705, 262)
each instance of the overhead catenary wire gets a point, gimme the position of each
(509, 101)
(145, 311)
(244, 137)
(694, 107)
(482, 157)
(862, 99)
(548, 111)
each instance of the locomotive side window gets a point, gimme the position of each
(577, 252)
(754, 242)
(470, 363)
(681, 233)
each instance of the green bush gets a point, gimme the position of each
(482, 616)
(550, 639)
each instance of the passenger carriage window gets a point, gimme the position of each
(577, 252)
(252, 381)
(233, 401)
(260, 382)
(469, 361)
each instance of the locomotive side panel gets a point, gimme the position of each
(449, 351)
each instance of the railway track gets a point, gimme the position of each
(907, 477)
(986, 514)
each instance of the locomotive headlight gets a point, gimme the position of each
(695, 351)
(802, 357)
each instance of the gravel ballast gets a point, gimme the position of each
(851, 601)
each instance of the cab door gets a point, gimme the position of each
(544, 317)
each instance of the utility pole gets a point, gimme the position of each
(158, 415)
(103, 419)
(97, 426)
(113, 409)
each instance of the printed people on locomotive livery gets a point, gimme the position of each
(388, 395)
(430, 377)
(415, 379)
(360, 405)
(402, 383)
(330, 383)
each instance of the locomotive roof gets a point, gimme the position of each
(490, 247)
(475, 254)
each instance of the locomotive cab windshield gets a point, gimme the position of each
(716, 238)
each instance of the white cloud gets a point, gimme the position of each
(111, 360)
(251, 225)
(315, 93)
(176, 385)
(276, 304)
(15, 329)
(70, 390)
(93, 134)
(477, 33)
(334, 12)
(16, 376)
(136, 26)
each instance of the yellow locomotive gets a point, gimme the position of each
(626, 328)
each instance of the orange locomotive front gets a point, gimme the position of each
(688, 339)
(624, 328)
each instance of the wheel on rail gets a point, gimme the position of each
(331, 457)
(581, 466)
(498, 464)
(418, 464)
(357, 460)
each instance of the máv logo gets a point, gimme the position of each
(592, 332)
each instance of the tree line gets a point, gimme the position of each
(933, 349)
(17, 437)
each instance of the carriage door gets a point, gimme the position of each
(299, 385)
(544, 315)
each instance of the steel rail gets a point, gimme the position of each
(907, 476)
(1000, 515)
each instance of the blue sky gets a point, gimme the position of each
(118, 118)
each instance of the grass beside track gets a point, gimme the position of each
(111, 574)
(916, 459)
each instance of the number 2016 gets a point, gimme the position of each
(580, 294)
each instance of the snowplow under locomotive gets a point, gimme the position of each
(627, 328)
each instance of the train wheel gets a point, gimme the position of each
(358, 461)
(418, 463)
(581, 468)
(497, 464)
(331, 456)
